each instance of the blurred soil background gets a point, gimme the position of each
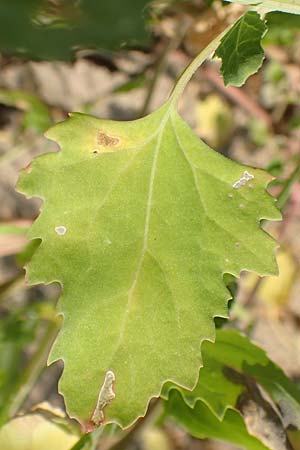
(258, 124)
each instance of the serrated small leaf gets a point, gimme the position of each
(240, 49)
(219, 392)
(213, 387)
(140, 221)
(201, 423)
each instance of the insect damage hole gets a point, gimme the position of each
(106, 395)
(61, 230)
(107, 141)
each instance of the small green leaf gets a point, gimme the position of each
(220, 392)
(36, 115)
(282, 29)
(201, 423)
(240, 49)
(213, 387)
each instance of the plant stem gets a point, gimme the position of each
(125, 440)
(193, 66)
(284, 195)
(88, 438)
(85, 439)
(14, 284)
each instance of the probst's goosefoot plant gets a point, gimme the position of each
(140, 225)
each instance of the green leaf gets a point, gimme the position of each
(282, 29)
(265, 6)
(18, 329)
(240, 49)
(201, 423)
(213, 387)
(140, 221)
(219, 391)
(36, 116)
(54, 30)
(282, 391)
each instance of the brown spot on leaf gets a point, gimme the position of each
(88, 426)
(27, 168)
(107, 141)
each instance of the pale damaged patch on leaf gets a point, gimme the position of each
(106, 395)
(243, 181)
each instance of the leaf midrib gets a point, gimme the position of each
(130, 294)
